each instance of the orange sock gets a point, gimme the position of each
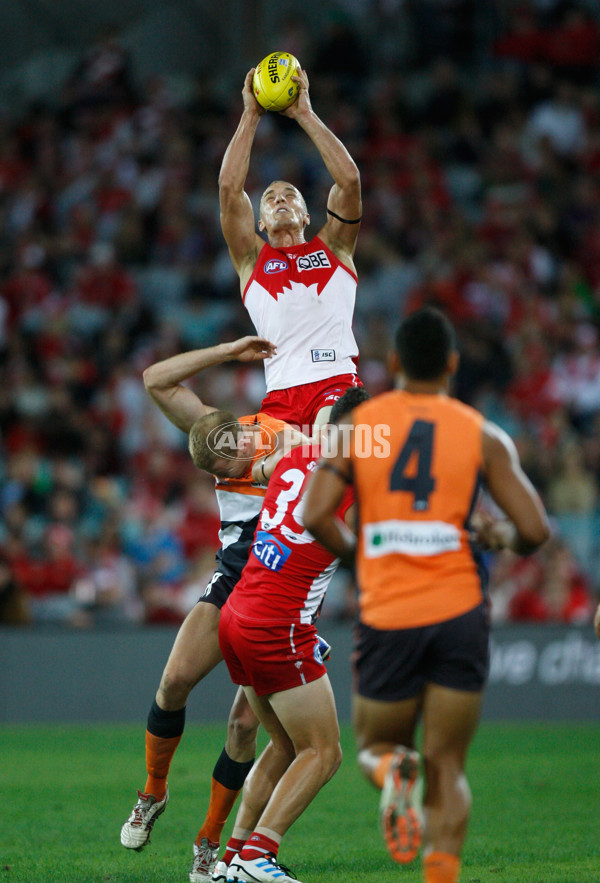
(221, 804)
(381, 770)
(159, 754)
(441, 867)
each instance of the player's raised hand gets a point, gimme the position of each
(302, 103)
(251, 349)
(251, 105)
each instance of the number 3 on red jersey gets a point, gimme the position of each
(285, 517)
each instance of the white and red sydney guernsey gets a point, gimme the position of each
(302, 299)
(288, 572)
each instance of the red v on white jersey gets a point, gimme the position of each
(302, 299)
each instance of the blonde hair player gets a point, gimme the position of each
(241, 453)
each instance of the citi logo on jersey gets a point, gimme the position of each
(270, 551)
(275, 265)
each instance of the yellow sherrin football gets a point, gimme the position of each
(272, 83)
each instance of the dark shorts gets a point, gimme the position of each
(395, 665)
(218, 590)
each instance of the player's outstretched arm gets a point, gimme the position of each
(511, 489)
(345, 195)
(237, 217)
(597, 620)
(164, 380)
(324, 492)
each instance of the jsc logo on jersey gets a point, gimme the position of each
(324, 356)
(270, 551)
(275, 265)
(313, 261)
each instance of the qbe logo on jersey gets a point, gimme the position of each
(314, 261)
(270, 551)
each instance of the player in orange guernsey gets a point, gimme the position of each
(241, 454)
(422, 638)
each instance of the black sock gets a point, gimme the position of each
(230, 773)
(165, 724)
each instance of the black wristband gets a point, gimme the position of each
(343, 220)
(262, 468)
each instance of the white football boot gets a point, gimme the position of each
(220, 873)
(135, 833)
(258, 870)
(205, 859)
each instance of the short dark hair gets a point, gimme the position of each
(424, 342)
(351, 399)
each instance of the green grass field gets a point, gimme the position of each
(66, 790)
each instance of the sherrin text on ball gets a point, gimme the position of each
(272, 83)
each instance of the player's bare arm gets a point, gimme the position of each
(288, 438)
(237, 215)
(181, 405)
(597, 621)
(345, 195)
(513, 492)
(323, 495)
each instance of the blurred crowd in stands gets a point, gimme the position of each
(481, 189)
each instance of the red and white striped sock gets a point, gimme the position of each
(234, 846)
(258, 845)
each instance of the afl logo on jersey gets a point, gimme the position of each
(276, 265)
